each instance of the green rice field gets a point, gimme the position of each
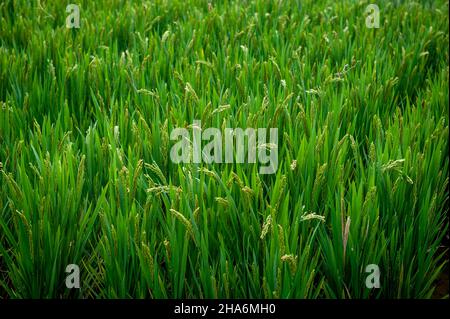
(357, 206)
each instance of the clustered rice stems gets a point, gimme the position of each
(86, 176)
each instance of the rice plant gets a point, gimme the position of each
(86, 174)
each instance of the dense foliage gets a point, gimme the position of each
(86, 177)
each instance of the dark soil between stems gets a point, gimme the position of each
(442, 283)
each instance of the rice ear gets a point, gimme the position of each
(345, 235)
